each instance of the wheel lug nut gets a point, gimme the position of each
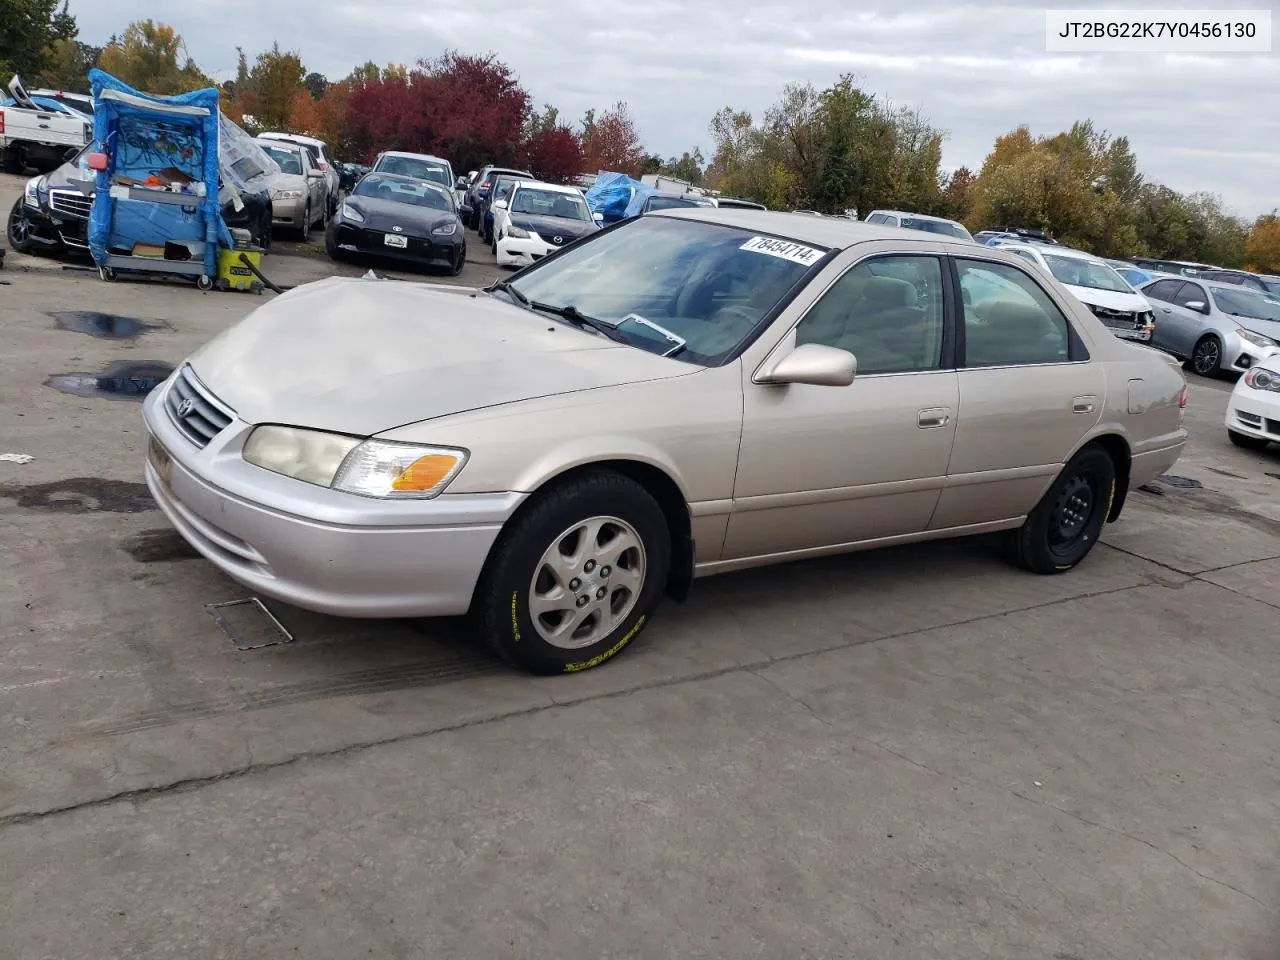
(600, 593)
(589, 566)
(605, 571)
(575, 583)
(583, 600)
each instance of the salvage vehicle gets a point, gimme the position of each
(299, 192)
(1214, 327)
(422, 166)
(687, 393)
(402, 218)
(1253, 411)
(499, 191)
(1126, 313)
(919, 221)
(537, 219)
(478, 191)
(36, 136)
(320, 156)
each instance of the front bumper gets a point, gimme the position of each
(432, 252)
(313, 547)
(1255, 416)
(55, 230)
(1238, 354)
(289, 213)
(514, 252)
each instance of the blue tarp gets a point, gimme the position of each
(141, 136)
(612, 194)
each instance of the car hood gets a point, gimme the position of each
(385, 214)
(1268, 328)
(1110, 299)
(287, 181)
(548, 228)
(365, 356)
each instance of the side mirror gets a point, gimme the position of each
(815, 364)
(97, 161)
(598, 217)
(70, 155)
(1197, 305)
(499, 204)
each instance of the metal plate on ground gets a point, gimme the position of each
(1168, 479)
(249, 624)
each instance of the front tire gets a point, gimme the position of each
(1206, 356)
(1246, 441)
(461, 261)
(18, 228)
(1065, 524)
(576, 576)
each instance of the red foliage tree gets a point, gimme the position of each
(612, 143)
(470, 110)
(554, 154)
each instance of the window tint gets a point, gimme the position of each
(1190, 292)
(877, 218)
(1163, 290)
(1008, 318)
(886, 311)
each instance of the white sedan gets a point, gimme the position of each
(537, 219)
(1253, 412)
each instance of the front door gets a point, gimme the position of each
(1028, 395)
(825, 466)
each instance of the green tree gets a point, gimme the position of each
(67, 65)
(687, 167)
(272, 87)
(316, 84)
(148, 58)
(28, 29)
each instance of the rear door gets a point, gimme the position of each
(1028, 391)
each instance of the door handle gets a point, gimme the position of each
(1084, 404)
(1165, 310)
(934, 417)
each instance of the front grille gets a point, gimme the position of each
(374, 241)
(1273, 426)
(71, 203)
(193, 409)
(1116, 317)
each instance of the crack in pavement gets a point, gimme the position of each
(189, 784)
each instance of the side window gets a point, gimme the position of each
(886, 311)
(1008, 317)
(876, 218)
(1190, 293)
(1163, 290)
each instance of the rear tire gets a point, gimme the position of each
(14, 160)
(1065, 524)
(609, 585)
(1247, 442)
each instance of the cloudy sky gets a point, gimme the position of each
(1197, 122)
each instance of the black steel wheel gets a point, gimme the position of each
(1067, 521)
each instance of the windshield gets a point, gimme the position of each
(667, 203)
(416, 167)
(1085, 273)
(549, 203)
(404, 191)
(1246, 303)
(290, 160)
(709, 285)
(936, 226)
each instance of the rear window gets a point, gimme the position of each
(935, 226)
(416, 167)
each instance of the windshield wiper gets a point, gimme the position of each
(504, 286)
(581, 320)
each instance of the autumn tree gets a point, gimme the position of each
(957, 193)
(67, 65)
(1262, 249)
(269, 92)
(332, 122)
(611, 142)
(28, 30)
(153, 58)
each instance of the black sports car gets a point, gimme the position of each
(388, 215)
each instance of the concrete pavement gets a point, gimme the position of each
(914, 753)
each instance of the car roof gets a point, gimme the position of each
(835, 232)
(413, 156)
(492, 170)
(279, 144)
(917, 216)
(295, 137)
(553, 187)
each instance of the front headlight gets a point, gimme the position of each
(308, 455)
(369, 468)
(33, 190)
(1257, 339)
(1260, 378)
(287, 195)
(351, 213)
(517, 233)
(445, 230)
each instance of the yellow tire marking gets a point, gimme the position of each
(602, 657)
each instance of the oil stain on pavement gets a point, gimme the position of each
(82, 495)
(104, 326)
(119, 381)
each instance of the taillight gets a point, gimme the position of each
(1182, 397)
(484, 185)
(1, 121)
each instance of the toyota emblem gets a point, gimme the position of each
(557, 239)
(185, 407)
(397, 230)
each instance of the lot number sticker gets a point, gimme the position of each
(806, 256)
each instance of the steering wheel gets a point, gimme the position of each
(735, 311)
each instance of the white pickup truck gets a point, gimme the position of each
(32, 135)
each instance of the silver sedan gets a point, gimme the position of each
(1213, 327)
